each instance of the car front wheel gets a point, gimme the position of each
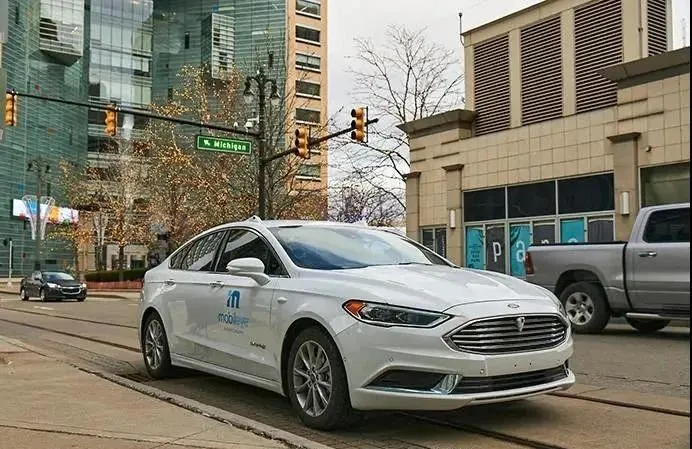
(317, 384)
(22, 295)
(157, 357)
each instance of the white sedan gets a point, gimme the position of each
(341, 318)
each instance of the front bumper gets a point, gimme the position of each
(423, 353)
(64, 293)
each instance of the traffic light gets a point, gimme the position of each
(11, 109)
(358, 124)
(301, 142)
(111, 121)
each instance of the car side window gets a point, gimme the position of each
(200, 256)
(242, 243)
(668, 226)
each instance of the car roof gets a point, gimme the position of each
(270, 224)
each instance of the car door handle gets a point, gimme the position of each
(169, 282)
(216, 284)
(281, 300)
(648, 254)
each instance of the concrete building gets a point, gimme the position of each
(577, 115)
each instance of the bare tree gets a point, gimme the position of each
(352, 204)
(408, 78)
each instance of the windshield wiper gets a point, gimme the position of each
(413, 263)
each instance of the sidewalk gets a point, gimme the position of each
(132, 295)
(47, 404)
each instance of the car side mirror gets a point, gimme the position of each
(249, 267)
(37, 278)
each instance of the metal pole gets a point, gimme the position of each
(37, 241)
(262, 175)
(9, 281)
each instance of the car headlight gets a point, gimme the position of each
(555, 300)
(51, 285)
(385, 315)
(83, 285)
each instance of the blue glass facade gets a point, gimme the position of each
(43, 55)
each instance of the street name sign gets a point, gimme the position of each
(224, 145)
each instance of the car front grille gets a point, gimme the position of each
(491, 384)
(507, 334)
(70, 290)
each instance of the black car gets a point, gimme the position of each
(48, 285)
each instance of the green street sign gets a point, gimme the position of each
(223, 145)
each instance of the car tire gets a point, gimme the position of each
(338, 412)
(154, 339)
(586, 307)
(22, 294)
(80, 299)
(647, 326)
(42, 295)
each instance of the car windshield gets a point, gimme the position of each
(342, 247)
(57, 277)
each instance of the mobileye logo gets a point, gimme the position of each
(231, 317)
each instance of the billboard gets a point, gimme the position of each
(56, 215)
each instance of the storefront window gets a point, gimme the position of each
(435, 239)
(665, 184)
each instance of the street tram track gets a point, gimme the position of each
(142, 378)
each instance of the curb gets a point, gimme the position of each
(240, 422)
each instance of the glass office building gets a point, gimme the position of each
(217, 33)
(44, 55)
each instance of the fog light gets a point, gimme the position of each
(447, 384)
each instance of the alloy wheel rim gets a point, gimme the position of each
(153, 344)
(579, 308)
(312, 378)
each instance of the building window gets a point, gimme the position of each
(531, 200)
(308, 7)
(586, 194)
(308, 88)
(665, 184)
(308, 116)
(309, 171)
(309, 62)
(435, 239)
(484, 205)
(187, 40)
(491, 85)
(308, 34)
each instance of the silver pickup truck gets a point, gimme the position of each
(646, 279)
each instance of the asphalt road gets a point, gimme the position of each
(620, 359)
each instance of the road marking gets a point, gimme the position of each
(43, 308)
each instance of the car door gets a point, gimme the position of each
(34, 284)
(241, 332)
(188, 296)
(660, 263)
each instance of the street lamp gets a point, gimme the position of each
(262, 81)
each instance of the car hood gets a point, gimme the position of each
(435, 287)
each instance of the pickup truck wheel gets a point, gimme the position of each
(647, 326)
(586, 307)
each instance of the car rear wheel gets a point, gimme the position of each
(317, 383)
(157, 357)
(22, 294)
(586, 307)
(647, 326)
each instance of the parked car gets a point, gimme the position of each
(646, 279)
(51, 285)
(344, 317)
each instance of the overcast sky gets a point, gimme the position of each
(440, 16)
